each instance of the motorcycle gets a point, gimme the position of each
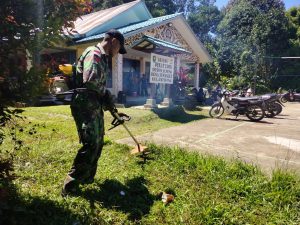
(60, 81)
(272, 104)
(253, 108)
(290, 96)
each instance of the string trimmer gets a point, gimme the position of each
(118, 120)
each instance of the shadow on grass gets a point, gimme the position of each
(133, 197)
(16, 209)
(177, 114)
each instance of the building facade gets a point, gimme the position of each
(168, 35)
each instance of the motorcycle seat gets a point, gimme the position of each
(242, 99)
(269, 96)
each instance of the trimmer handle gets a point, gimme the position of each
(123, 116)
(119, 119)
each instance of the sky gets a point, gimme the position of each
(288, 3)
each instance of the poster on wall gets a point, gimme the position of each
(161, 69)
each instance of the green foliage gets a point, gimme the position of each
(250, 32)
(100, 4)
(293, 15)
(262, 88)
(156, 7)
(204, 20)
(234, 83)
(26, 27)
(8, 130)
(186, 6)
(24, 87)
(290, 67)
(160, 8)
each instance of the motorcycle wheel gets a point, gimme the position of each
(269, 113)
(255, 113)
(278, 108)
(216, 111)
(273, 110)
(283, 100)
(52, 89)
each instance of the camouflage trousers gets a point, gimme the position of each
(88, 115)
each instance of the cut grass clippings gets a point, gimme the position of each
(207, 190)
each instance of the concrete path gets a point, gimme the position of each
(271, 143)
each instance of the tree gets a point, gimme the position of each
(156, 7)
(105, 4)
(293, 15)
(252, 31)
(27, 26)
(160, 8)
(186, 6)
(204, 20)
(291, 67)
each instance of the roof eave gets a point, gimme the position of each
(141, 2)
(160, 43)
(131, 33)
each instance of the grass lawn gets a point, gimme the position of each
(207, 190)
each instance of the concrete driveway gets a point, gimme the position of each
(271, 143)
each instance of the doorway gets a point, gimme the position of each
(131, 77)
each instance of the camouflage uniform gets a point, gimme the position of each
(87, 110)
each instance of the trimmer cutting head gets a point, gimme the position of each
(117, 121)
(139, 149)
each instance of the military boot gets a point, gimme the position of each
(70, 186)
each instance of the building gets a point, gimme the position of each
(168, 35)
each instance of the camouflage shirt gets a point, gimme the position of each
(93, 68)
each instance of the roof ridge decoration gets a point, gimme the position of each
(126, 30)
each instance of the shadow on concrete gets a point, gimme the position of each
(132, 197)
(246, 120)
(280, 118)
(284, 115)
(177, 114)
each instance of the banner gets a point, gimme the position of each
(161, 69)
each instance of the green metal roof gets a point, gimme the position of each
(160, 43)
(132, 27)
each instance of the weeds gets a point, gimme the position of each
(207, 190)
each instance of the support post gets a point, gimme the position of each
(197, 74)
(117, 74)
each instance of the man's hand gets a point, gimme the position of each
(121, 117)
(124, 116)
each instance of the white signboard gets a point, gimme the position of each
(161, 69)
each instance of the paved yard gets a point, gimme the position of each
(270, 143)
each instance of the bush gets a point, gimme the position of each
(234, 83)
(262, 89)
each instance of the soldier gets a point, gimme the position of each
(90, 98)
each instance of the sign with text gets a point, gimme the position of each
(161, 69)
